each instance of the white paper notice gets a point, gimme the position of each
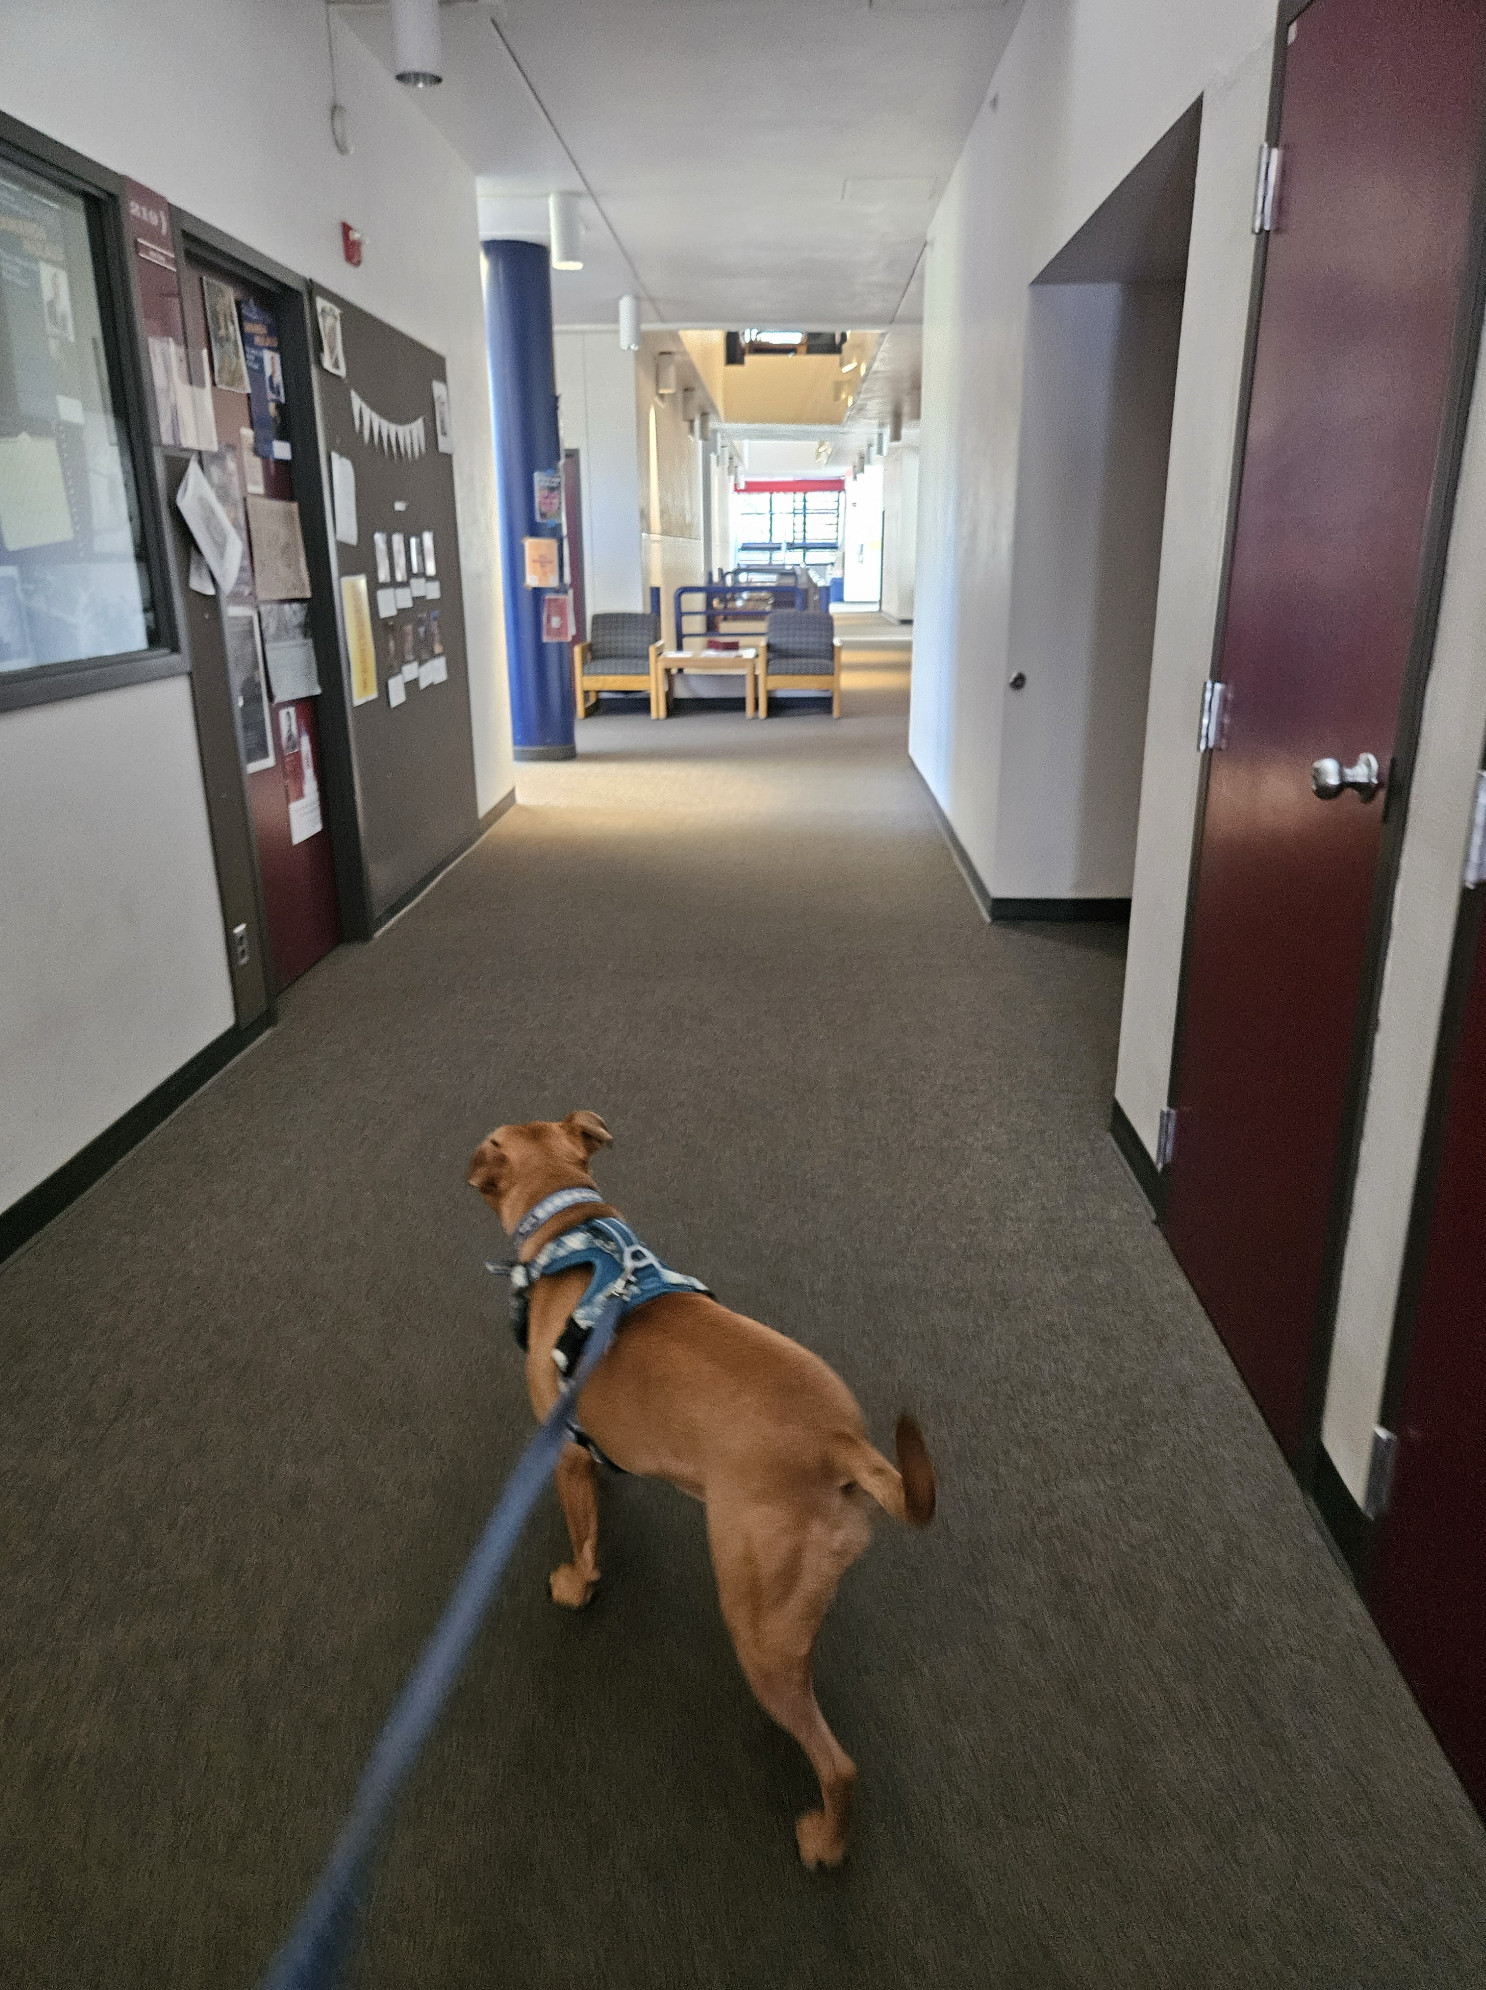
(425, 676)
(397, 691)
(384, 564)
(386, 603)
(211, 528)
(252, 463)
(435, 589)
(409, 672)
(438, 670)
(430, 565)
(343, 490)
(404, 597)
(417, 585)
(199, 575)
(33, 496)
(205, 410)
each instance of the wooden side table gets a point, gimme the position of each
(709, 663)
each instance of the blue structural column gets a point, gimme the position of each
(523, 392)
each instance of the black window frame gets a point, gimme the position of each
(104, 196)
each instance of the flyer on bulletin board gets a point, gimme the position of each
(361, 646)
(541, 562)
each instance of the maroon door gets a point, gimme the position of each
(279, 739)
(1379, 133)
(1428, 1587)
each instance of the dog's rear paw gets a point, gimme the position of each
(570, 1587)
(820, 1844)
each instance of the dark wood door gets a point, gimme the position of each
(1379, 133)
(279, 738)
(1428, 1586)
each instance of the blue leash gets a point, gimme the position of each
(316, 1953)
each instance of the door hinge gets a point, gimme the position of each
(1475, 856)
(1166, 1136)
(1212, 731)
(1266, 189)
(1380, 1472)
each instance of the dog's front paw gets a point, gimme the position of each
(820, 1844)
(570, 1587)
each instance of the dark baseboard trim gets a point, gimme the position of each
(1107, 911)
(958, 851)
(24, 1219)
(400, 905)
(544, 752)
(1148, 1177)
(1348, 1527)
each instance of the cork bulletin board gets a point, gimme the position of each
(390, 478)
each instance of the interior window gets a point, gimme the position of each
(73, 582)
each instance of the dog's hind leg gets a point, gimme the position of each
(775, 1583)
(576, 1477)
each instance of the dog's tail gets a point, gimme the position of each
(907, 1494)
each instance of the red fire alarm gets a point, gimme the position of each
(351, 243)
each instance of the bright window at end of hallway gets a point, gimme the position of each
(73, 583)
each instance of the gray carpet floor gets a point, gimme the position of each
(1118, 1717)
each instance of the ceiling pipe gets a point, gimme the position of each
(564, 231)
(417, 51)
(629, 324)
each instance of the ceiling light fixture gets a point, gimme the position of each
(563, 230)
(417, 54)
(629, 323)
(850, 365)
(665, 374)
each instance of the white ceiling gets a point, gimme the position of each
(748, 162)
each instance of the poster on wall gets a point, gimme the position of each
(557, 618)
(443, 432)
(278, 549)
(246, 675)
(229, 366)
(332, 342)
(547, 496)
(541, 562)
(265, 380)
(301, 788)
(361, 645)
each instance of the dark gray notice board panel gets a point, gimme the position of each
(415, 765)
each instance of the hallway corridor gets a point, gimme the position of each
(1118, 1718)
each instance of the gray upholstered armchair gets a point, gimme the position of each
(799, 653)
(622, 654)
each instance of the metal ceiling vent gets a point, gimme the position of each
(417, 53)
(562, 222)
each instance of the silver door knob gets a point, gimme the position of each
(1329, 778)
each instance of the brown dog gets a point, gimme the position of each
(749, 1422)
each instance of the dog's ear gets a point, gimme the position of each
(487, 1168)
(590, 1129)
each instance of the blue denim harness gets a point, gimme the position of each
(619, 1265)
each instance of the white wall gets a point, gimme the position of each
(596, 403)
(1091, 492)
(670, 489)
(223, 109)
(899, 529)
(1204, 425)
(113, 965)
(1085, 89)
(1426, 900)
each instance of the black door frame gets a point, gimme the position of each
(1313, 1467)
